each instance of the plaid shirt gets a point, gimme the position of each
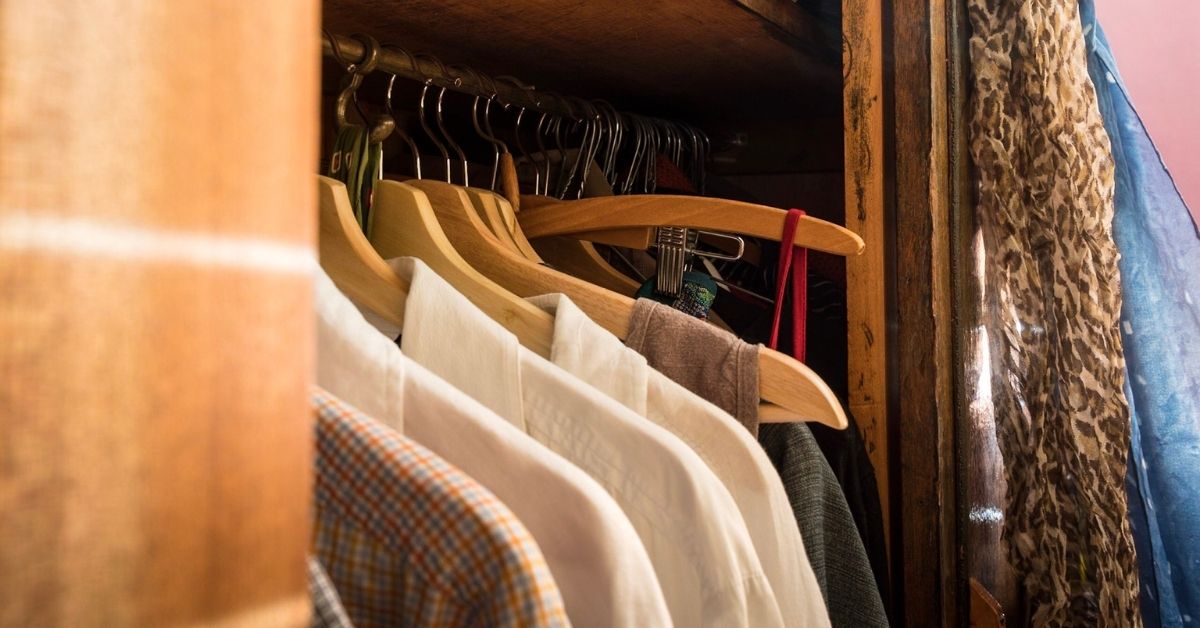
(410, 540)
(327, 610)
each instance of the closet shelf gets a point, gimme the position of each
(699, 60)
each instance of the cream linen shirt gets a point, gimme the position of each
(686, 518)
(594, 553)
(590, 352)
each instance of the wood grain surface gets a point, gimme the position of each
(862, 24)
(924, 422)
(545, 216)
(156, 231)
(985, 610)
(702, 60)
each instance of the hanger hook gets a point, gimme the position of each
(485, 130)
(599, 121)
(705, 149)
(517, 126)
(616, 131)
(542, 157)
(563, 169)
(425, 124)
(462, 157)
(553, 128)
(487, 121)
(649, 181)
(584, 155)
(387, 97)
(441, 125)
(520, 143)
(387, 103)
(422, 118)
(379, 127)
(639, 146)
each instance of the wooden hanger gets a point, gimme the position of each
(348, 259)
(627, 220)
(567, 254)
(403, 223)
(502, 221)
(782, 380)
(499, 216)
(571, 255)
(581, 259)
(574, 257)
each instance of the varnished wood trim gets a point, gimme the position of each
(862, 24)
(157, 219)
(925, 429)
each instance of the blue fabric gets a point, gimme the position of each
(1160, 318)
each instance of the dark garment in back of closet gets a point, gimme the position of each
(832, 542)
(844, 449)
(846, 454)
(719, 367)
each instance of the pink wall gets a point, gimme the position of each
(1155, 45)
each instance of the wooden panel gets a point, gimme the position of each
(804, 29)
(156, 228)
(862, 22)
(698, 59)
(924, 422)
(985, 610)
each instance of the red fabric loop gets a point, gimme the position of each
(790, 256)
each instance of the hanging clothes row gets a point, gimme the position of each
(503, 443)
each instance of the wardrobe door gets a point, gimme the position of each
(156, 251)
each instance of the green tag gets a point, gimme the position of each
(358, 165)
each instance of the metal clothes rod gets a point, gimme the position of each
(418, 67)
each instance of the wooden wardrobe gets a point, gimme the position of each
(157, 238)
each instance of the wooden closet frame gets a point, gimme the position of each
(908, 185)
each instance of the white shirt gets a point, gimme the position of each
(589, 351)
(597, 559)
(687, 520)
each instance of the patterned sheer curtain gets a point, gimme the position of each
(1053, 368)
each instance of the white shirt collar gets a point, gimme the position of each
(593, 354)
(355, 362)
(490, 372)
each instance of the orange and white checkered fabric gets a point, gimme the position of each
(408, 539)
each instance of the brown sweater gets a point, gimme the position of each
(706, 360)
